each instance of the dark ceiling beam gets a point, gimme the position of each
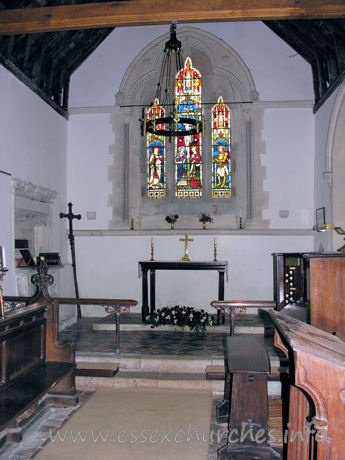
(141, 12)
(29, 83)
(323, 48)
(316, 35)
(294, 38)
(75, 57)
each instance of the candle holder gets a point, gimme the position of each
(241, 224)
(214, 252)
(152, 252)
(132, 224)
(3, 271)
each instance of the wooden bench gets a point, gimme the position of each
(245, 404)
(33, 364)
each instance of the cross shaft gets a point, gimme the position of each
(186, 257)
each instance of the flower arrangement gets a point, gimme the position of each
(171, 219)
(196, 320)
(204, 217)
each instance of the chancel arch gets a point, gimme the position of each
(223, 73)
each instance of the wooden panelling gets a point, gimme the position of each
(326, 292)
(317, 389)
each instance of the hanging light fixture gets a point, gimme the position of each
(162, 117)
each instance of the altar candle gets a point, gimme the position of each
(151, 241)
(240, 213)
(3, 257)
(132, 214)
(214, 241)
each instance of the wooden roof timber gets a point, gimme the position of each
(145, 12)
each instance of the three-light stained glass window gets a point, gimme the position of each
(155, 156)
(188, 154)
(221, 158)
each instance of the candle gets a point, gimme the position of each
(3, 257)
(240, 213)
(132, 214)
(151, 241)
(214, 241)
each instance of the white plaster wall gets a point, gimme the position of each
(288, 156)
(89, 160)
(108, 267)
(288, 135)
(322, 187)
(33, 148)
(279, 72)
(6, 231)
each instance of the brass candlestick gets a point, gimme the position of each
(152, 252)
(132, 224)
(241, 225)
(214, 252)
(3, 271)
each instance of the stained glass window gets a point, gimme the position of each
(155, 157)
(188, 167)
(221, 159)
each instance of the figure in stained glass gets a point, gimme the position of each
(181, 161)
(195, 161)
(188, 167)
(155, 147)
(221, 158)
(156, 165)
(222, 168)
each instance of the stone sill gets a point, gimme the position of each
(208, 231)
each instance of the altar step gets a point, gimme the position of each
(166, 372)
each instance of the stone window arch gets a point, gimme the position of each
(224, 73)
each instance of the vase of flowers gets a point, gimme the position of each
(204, 218)
(195, 320)
(171, 219)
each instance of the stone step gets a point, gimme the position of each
(152, 363)
(158, 380)
(96, 369)
(163, 372)
(165, 381)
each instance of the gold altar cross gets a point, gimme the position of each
(186, 257)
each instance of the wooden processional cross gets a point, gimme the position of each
(186, 257)
(70, 216)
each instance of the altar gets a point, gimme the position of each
(153, 266)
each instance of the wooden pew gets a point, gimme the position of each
(42, 280)
(316, 409)
(245, 402)
(33, 361)
(33, 364)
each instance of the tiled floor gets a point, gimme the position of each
(149, 342)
